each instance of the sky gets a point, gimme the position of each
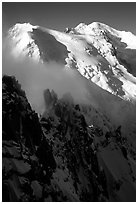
(59, 15)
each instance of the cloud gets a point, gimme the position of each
(36, 77)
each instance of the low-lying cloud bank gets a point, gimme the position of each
(36, 77)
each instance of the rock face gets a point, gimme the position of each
(97, 165)
(59, 157)
(23, 144)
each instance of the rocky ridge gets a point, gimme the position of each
(59, 156)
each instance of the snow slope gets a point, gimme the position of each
(100, 53)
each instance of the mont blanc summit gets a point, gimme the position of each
(100, 53)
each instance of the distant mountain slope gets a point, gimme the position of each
(103, 55)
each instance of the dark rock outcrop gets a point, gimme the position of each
(23, 145)
(59, 157)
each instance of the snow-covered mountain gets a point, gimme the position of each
(87, 148)
(104, 59)
(101, 54)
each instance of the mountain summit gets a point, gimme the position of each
(102, 54)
